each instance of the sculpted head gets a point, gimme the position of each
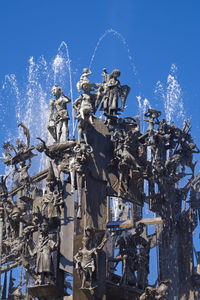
(44, 227)
(115, 73)
(86, 70)
(56, 90)
(40, 147)
(139, 228)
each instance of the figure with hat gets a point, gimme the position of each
(53, 199)
(43, 251)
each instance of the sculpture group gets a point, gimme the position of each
(110, 157)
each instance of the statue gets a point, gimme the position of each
(85, 260)
(23, 177)
(59, 117)
(149, 294)
(43, 251)
(110, 91)
(83, 79)
(84, 106)
(117, 167)
(3, 188)
(134, 254)
(126, 155)
(17, 294)
(153, 116)
(159, 293)
(19, 153)
(127, 256)
(78, 170)
(60, 153)
(55, 151)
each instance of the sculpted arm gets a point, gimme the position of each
(32, 252)
(77, 103)
(52, 105)
(66, 99)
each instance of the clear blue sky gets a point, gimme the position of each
(158, 33)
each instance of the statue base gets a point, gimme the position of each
(49, 291)
(121, 292)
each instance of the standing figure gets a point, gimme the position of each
(23, 177)
(126, 156)
(110, 91)
(59, 117)
(153, 116)
(84, 106)
(85, 260)
(127, 255)
(78, 169)
(43, 251)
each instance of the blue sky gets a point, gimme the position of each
(158, 34)
(151, 36)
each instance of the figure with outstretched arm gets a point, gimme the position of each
(85, 262)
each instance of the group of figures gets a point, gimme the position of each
(32, 211)
(105, 96)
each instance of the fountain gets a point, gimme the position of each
(89, 205)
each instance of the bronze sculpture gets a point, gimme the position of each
(45, 217)
(110, 91)
(85, 262)
(43, 249)
(59, 117)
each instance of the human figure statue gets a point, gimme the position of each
(52, 199)
(60, 153)
(83, 79)
(159, 293)
(110, 91)
(59, 117)
(162, 289)
(184, 154)
(55, 151)
(43, 251)
(3, 188)
(127, 256)
(85, 260)
(149, 294)
(134, 255)
(78, 169)
(153, 116)
(84, 106)
(22, 177)
(126, 155)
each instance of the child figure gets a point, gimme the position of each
(83, 78)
